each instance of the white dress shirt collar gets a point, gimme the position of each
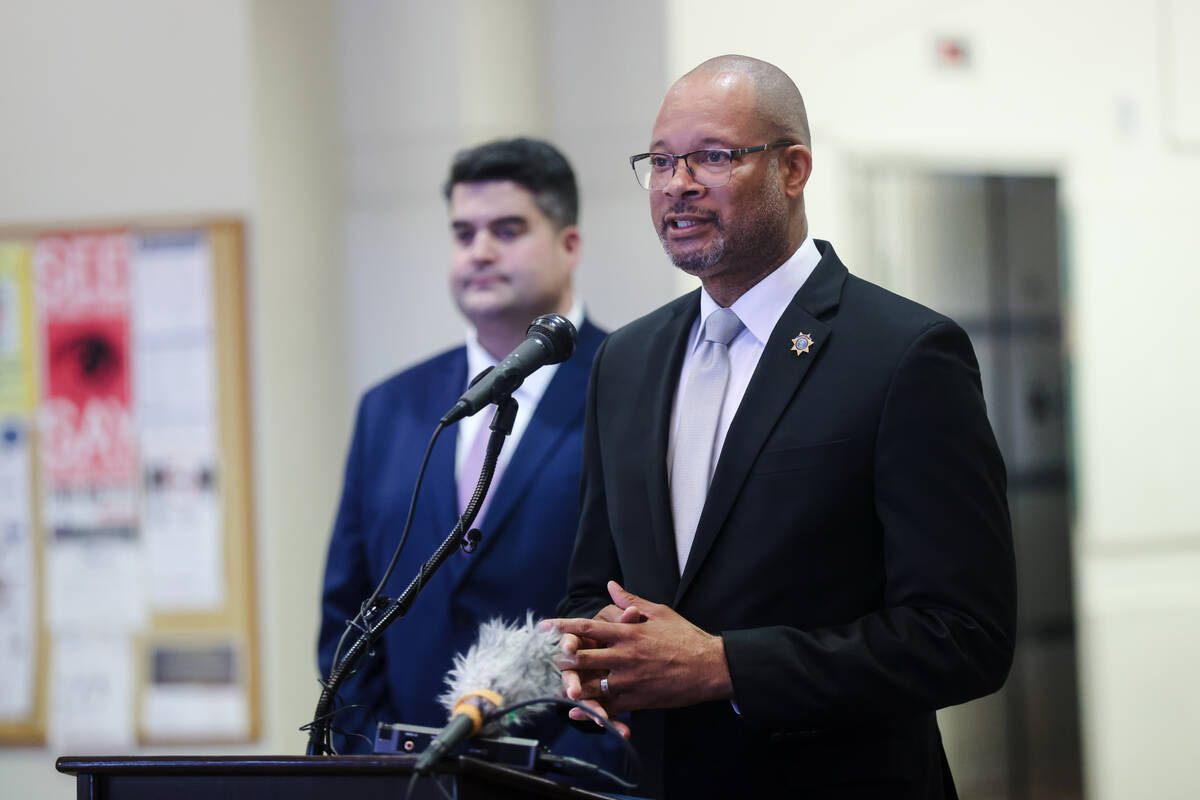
(760, 308)
(532, 389)
(527, 395)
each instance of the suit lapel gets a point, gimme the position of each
(558, 412)
(776, 380)
(671, 339)
(560, 408)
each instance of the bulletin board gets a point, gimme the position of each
(127, 611)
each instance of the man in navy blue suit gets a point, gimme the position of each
(513, 210)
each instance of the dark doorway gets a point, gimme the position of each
(987, 251)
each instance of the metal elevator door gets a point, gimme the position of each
(986, 250)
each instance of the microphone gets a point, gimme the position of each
(550, 339)
(509, 664)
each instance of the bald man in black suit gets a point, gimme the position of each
(849, 569)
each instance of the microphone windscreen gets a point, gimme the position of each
(557, 333)
(515, 661)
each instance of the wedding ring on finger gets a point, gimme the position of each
(604, 685)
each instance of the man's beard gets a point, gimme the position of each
(758, 238)
(695, 263)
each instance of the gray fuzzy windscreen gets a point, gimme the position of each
(512, 660)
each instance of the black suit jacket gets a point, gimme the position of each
(854, 550)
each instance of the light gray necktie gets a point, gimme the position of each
(696, 433)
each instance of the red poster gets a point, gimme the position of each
(82, 291)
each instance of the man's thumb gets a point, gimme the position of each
(622, 598)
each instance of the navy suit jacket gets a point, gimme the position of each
(520, 564)
(854, 550)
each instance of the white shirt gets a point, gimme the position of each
(527, 395)
(759, 309)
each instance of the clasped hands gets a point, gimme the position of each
(650, 656)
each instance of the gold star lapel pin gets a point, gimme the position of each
(801, 343)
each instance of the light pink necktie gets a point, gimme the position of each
(468, 474)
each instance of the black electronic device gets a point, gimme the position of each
(510, 751)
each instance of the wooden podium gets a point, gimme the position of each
(301, 778)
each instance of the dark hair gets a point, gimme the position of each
(532, 163)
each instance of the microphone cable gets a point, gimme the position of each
(359, 622)
(577, 766)
(369, 604)
(567, 765)
(505, 414)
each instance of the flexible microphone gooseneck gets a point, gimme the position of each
(550, 339)
(373, 620)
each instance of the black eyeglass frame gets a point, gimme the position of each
(675, 159)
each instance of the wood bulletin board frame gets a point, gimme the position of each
(234, 621)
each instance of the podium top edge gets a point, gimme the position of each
(177, 765)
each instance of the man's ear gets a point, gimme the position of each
(571, 243)
(798, 161)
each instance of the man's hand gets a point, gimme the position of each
(572, 680)
(651, 656)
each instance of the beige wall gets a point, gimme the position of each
(136, 108)
(573, 71)
(299, 338)
(124, 107)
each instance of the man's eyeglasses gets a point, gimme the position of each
(710, 168)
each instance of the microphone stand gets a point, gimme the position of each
(373, 626)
